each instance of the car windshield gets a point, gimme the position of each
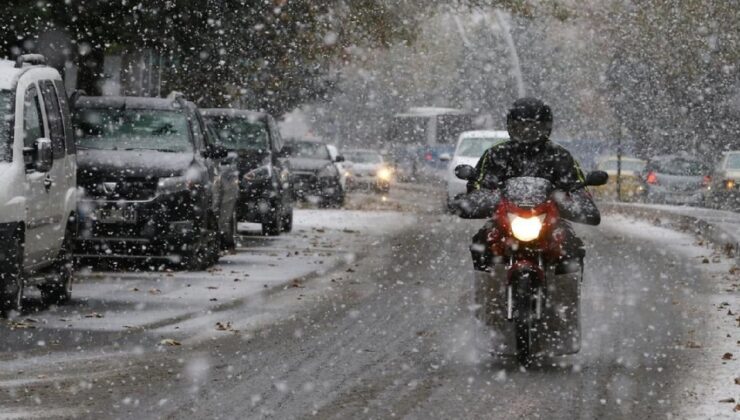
(680, 167)
(132, 129)
(733, 161)
(240, 132)
(627, 165)
(476, 146)
(310, 150)
(6, 119)
(363, 157)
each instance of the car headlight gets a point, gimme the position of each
(384, 174)
(259, 174)
(526, 229)
(329, 171)
(188, 182)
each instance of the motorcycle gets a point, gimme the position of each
(530, 292)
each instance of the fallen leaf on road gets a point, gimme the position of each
(20, 325)
(220, 326)
(94, 315)
(737, 408)
(169, 342)
(737, 380)
(727, 356)
(154, 291)
(727, 400)
(134, 289)
(212, 287)
(705, 261)
(213, 299)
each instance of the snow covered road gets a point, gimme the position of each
(383, 332)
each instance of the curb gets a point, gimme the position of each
(713, 233)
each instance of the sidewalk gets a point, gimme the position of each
(713, 391)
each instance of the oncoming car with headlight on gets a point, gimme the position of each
(254, 141)
(368, 169)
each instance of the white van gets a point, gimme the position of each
(38, 182)
(470, 147)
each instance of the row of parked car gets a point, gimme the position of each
(84, 178)
(680, 178)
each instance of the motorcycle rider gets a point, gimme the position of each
(530, 153)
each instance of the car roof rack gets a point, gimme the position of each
(32, 59)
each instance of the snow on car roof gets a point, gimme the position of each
(484, 134)
(129, 102)
(429, 111)
(9, 73)
(233, 112)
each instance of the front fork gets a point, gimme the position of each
(516, 270)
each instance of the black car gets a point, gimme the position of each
(315, 175)
(154, 184)
(265, 193)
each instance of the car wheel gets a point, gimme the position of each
(288, 221)
(228, 236)
(338, 201)
(274, 226)
(59, 289)
(11, 278)
(205, 251)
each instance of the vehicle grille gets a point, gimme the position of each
(122, 189)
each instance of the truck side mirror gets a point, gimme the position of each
(40, 157)
(339, 159)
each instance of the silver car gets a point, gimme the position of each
(677, 179)
(725, 189)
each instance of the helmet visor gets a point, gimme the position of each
(528, 131)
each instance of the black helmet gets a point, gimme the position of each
(529, 120)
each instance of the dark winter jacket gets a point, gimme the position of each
(511, 159)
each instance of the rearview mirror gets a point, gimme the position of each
(465, 172)
(40, 157)
(596, 178)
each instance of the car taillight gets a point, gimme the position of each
(651, 178)
(706, 181)
(730, 184)
(428, 157)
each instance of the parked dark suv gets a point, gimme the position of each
(154, 183)
(315, 175)
(265, 193)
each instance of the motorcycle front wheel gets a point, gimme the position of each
(523, 319)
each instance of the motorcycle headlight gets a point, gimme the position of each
(261, 173)
(526, 229)
(384, 174)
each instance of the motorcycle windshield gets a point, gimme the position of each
(527, 192)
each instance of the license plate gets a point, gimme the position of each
(116, 215)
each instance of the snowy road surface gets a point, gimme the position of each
(380, 329)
